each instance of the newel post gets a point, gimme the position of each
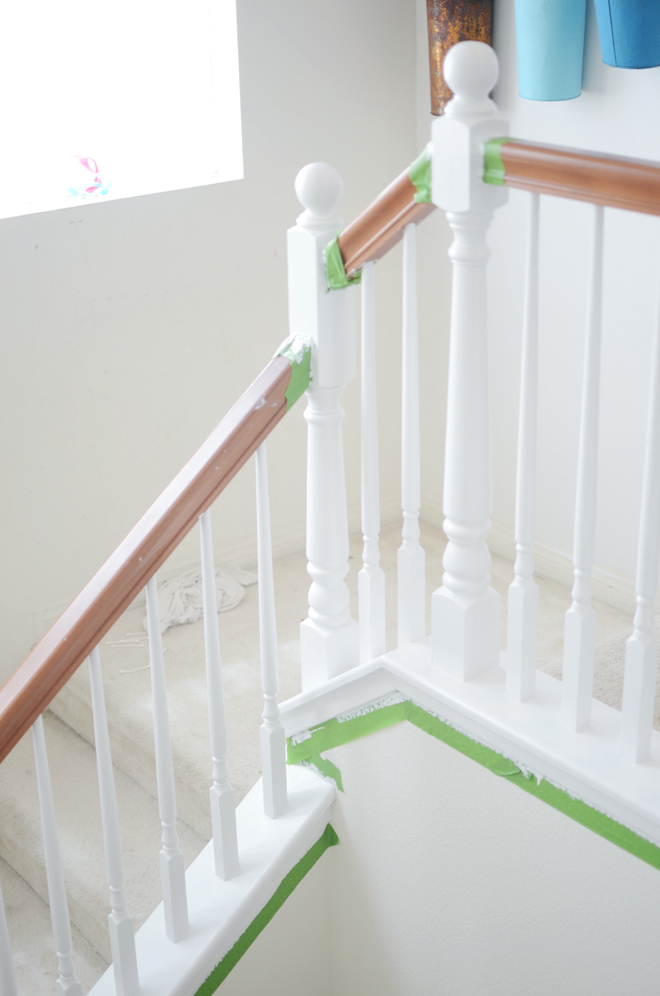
(466, 610)
(328, 637)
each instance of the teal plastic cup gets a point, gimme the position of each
(550, 43)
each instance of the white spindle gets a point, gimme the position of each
(410, 557)
(580, 623)
(7, 976)
(371, 580)
(172, 871)
(223, 805)
(67, 983)
(271, 732)
(523, 604)
(120, 922)
(329, 640)
(642, 647)
(466, 610)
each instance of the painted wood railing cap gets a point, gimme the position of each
(319, 188)
(470, 70)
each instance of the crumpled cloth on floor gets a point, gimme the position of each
(180, 599)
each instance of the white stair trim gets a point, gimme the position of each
(587, 765)
(220, 911)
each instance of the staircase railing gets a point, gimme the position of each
(465, 171)
(78, 632)
(317, 358)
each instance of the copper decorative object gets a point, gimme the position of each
(449, 22)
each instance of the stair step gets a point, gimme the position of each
(31, 939)
(77, 807)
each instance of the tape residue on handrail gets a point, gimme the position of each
(297, 349)
(308, 747)
(420, 176)
(335, 273)
(494, 170)
(327, 839)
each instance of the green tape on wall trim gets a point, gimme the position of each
(420, 176)
(335, 733)
(298, 351)
(335, 273)
(493, 166)
(281, 894)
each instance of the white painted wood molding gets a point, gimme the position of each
(523, 600)
(67, 983)
(371, 579)
(466, 610)
(120, 922)
(588, 766)
(329, 636)
(172, 871)
(221, 911)
(271, 731)
(411, 564)
(580, 623)
(642, 647)
(221, 794)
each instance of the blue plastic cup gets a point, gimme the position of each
(629, 32)
(550, 43)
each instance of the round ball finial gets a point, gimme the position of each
(318, 188)
(471, 70)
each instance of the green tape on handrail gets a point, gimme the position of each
(328, 839)
(335, 733)
(334, 268)
(420, 176)
(493, 165)
(298, 351)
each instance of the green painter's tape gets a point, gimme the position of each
(493, 166)
(334, 733)
(420, 176)
(298, 351)
(281, 894)
(335, 273)
(326, 768)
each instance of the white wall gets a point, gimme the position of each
(130, 327)
(617, 113)
(293, 954)
(450, 880)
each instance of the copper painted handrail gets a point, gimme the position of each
(613, 181)
(53, 660)
(381, 225)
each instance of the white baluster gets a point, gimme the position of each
(172, 871)
(642, 647)
(271, 732)
(120, 923)
(410, 557)
(67, 981)
(466, 610)
(328, 637)
(580, 622)
(523, 605)
(7, 976)
(223, 804)
(371, 580)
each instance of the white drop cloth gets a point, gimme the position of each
(180, 599)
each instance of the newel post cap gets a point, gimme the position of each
(471, 118)
(471, 70)
(319, 188)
